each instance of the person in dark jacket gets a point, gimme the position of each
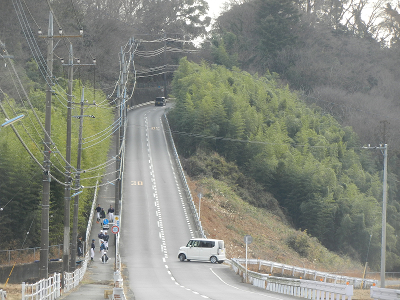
(102, 215)
(80, 247)
(92, 250)
(106, 237)
(98, 210)
(111, 214)
(101, 237)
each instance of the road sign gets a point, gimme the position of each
(117, 220)
(105, 221)
(248, 239)
(115, 229)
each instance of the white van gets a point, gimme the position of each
(203, 249)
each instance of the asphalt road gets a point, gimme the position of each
(156, 222)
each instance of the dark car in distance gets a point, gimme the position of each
(160, 101)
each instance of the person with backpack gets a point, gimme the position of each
(102, 215)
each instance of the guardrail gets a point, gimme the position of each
(48, 289)
(312, 274)
(384, 294)
(294, 287)
(188, 194)
(3, 295)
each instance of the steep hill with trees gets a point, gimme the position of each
(315, 169)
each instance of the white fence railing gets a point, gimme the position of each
(183, 179)
(295, 287)
(310, 274)
(384, 294)
(48, 289)
(71, 280)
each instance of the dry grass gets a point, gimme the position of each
(225, 216)
(14, 291)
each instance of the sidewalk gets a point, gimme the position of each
(99, 277)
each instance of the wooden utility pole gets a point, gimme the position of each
(44, 245)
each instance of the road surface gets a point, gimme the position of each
(156, 222)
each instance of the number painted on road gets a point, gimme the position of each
(136, 182)
(155, 128)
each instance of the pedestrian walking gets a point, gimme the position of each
(80, 247)
(106, 238)
(111, 214)
(102, 216)
(102, 249)
(98, 210)
(92, 250)
(101, 237)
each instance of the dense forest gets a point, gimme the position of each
(289, 90)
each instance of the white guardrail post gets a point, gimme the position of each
(3, 295)
(311, 274)
(384, 294)
(309, 289)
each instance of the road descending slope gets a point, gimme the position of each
(156, 222)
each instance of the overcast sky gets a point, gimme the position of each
(215, 7)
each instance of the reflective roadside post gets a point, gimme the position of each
(200, 195)
(248, 240)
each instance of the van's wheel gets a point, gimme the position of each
(213, 259)
(182, 257)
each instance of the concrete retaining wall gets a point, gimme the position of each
(27, 272)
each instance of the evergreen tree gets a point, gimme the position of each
(277, 20)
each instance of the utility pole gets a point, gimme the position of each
(77, 185)
(77, 181)
(120, 92)
(68, 178)
(121, 98)
(44, 249)
(383, 149)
